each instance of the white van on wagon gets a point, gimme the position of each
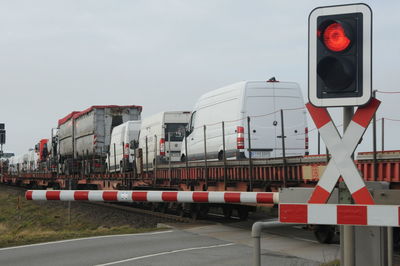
(123, 137)
(233, 104)
(154, 135)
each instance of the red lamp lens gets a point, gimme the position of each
(335, 38)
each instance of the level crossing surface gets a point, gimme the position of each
(205, 244)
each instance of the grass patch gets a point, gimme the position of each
(26, 222)
(332, 263)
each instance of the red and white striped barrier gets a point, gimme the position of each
(155, 196)
(341, 149)
(334, 214)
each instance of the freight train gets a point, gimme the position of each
(249, 136)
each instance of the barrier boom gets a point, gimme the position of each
(155, 196)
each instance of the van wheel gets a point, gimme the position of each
(183, 158)
(227, 211)
(220, 156)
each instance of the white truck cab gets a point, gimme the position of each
(261, 101)
(154, 135)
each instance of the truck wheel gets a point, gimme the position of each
(324, 233)
(204, 208)
(227, 211)
(195, 212)
(180, 210)
(243, 213)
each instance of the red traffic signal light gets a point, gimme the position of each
(340, 55)
(335, 38)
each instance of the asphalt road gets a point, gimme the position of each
(171, 247)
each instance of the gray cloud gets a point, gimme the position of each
(59, 56)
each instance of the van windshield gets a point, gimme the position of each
(176, 130)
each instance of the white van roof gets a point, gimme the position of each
(237, 89)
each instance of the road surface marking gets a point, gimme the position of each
(164, 253)
(85, 238)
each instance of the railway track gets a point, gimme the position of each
(132, 209)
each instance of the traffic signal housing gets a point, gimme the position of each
(340, 40)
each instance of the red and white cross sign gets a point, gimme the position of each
(341, 149)
(364, 212)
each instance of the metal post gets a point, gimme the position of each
(250, 157)
(73, 167)
(123, 157)
(69, 203)
(383, 133)
(115, 159)
(205, 158)
(147, 158)
(73, 146)
(82, 164)
(283, 149)
(169, 157)
(186, 157)
(155, 159)
(52, 153)
(87, 155)
(93, 160)
(256, 235)
(224, 154)
(134, 165)
(319, 143)
(347, 246)
(108, 157)
(374, 143)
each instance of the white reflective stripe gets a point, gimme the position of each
(381, 214)
(275, 197)
(67, 195)
(351, 175)
(154, 196)
(341, 163)
(330, 135)
(322, 213)
(329, 177)
(376, 215)
(352, 136)
(125, 196)
(185, 196)
(248, 197)
(39, 195)
(95, 195)
(216, 197)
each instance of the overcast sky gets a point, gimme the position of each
(60, 56)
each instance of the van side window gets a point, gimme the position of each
(192, 121)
